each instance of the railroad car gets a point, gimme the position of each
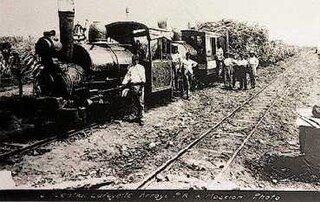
(206, 44)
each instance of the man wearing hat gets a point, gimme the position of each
(47, 48)
(228, 71)
(253, 64)
(220, 64)
(135, 80)
(176, 63)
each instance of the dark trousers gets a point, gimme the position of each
(228, 76)
(252, 79)
(219, 70)
(175, 77)
(243, 77)
(138, 100)
(235, 76)
(187, 81)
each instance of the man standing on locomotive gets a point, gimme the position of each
(187, 70)
(135, 80)
(47, 48)
(253, 64)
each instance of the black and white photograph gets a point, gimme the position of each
(160, 95)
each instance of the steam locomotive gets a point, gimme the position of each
(86, 75)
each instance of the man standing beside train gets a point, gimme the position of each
(228, 71)
(135, 80)
(220, 64)
(187, 71)
(176, 63)
(242, 72)
(253, 64)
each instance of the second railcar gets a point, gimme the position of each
(206, 45)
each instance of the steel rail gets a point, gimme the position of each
(279, 95)
(70, 133)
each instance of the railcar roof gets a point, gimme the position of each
(208, 33)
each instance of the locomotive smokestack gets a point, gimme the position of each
(66, 23)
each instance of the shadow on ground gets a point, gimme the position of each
(276, 168)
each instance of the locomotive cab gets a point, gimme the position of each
(153, 47)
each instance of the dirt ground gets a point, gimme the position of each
(271, 159)
(125, 153)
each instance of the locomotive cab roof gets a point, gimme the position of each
(125, 31)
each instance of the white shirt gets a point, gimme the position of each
(220, 54)
(176, 58)
(135, 74)
(188, 65)
(228, 61)
(253, 63)
(242, 62)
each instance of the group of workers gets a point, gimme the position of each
(135, 79)
(230, 69)
(183, 74)
(236, 67)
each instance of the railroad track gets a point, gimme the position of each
(228, 126)
(9, 149)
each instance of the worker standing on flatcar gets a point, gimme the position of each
(220, 64)
(135, 80)
(252, 70)
(187, 71)
(228, 71)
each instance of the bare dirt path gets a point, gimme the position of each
(128, 152)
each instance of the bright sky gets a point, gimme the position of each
(294, 21)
